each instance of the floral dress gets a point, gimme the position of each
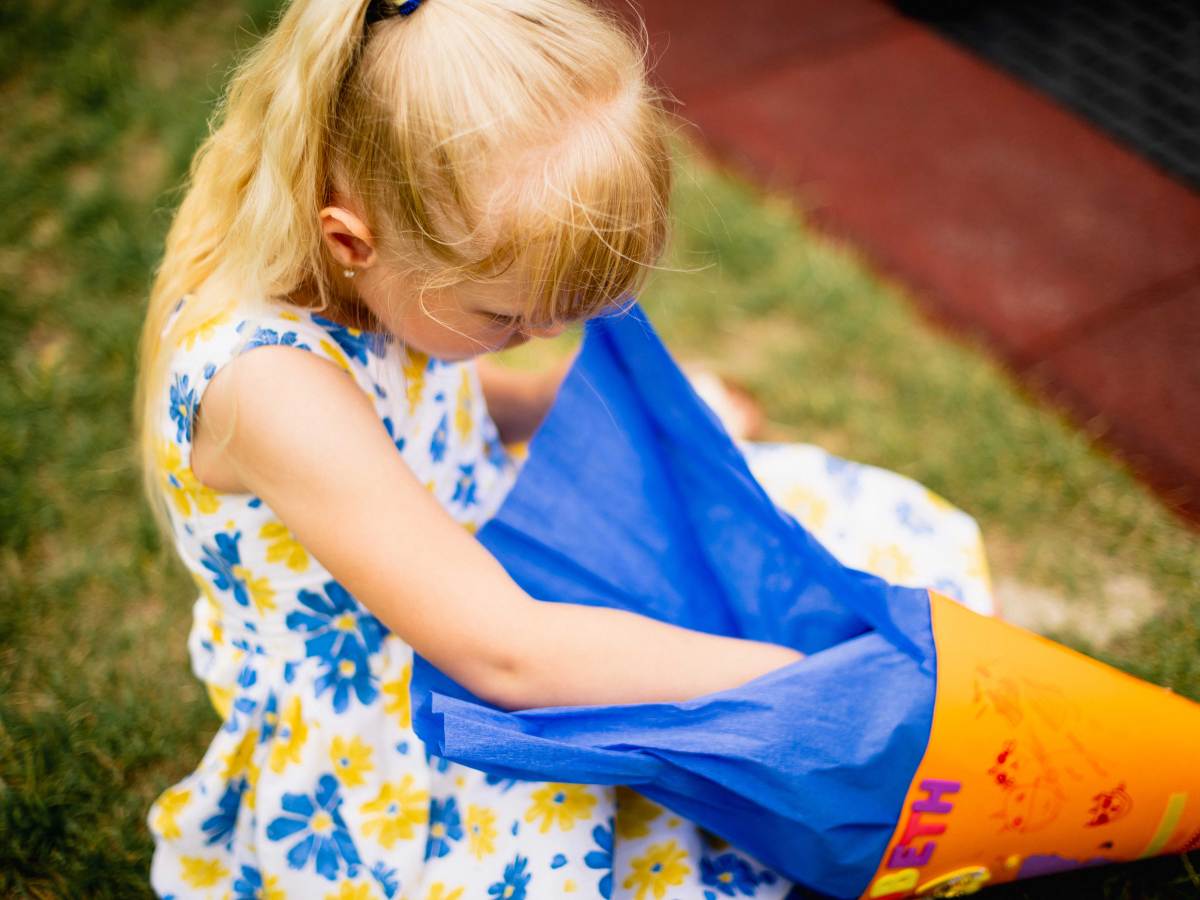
(315, 785)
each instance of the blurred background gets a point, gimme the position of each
(961, 241)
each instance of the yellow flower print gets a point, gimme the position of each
(560, 804)
(399, 701)
(283, 547)
(634, 814)
(203, 331)
(251, 794)
(201, 873)
(288, 741)
(349, 891)
(977, 564)
(569, 886)
(439, 891)
(260, 590)
(270, 889)
(214, 607)
(937, 501)
(661, 867)
(462, 413)
(809, 508)
(351, 760)
(335, 354)
(238, 761)
(415, 364)
(221, 699)
(183, 487)
(481, 830)
(890, 562)
(216, 631)
(168, 806)
(401, 808)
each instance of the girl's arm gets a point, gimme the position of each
(294, 430)
(518, 400)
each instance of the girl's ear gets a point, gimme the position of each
(347, 237)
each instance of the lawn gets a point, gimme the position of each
(98, 712)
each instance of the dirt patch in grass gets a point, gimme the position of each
(1126, 603)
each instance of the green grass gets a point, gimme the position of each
(105, 103)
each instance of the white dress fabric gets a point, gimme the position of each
(315, 785)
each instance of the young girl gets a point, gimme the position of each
(393, 190)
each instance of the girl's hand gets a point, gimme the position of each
(294, 430)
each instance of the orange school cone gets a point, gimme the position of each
(1039, 760)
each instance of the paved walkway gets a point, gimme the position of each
(1011, 218)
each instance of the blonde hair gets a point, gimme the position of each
(475, 134)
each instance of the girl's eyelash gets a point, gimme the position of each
(501, 319)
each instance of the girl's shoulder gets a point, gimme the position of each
(203, 342)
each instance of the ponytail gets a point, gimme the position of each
(247, 226)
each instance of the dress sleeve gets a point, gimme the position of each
(201, 351)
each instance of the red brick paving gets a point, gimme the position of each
(1131, 373)
(1012, 218)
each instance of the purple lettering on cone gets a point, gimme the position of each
(934, 803)
(915, 828)
(904, 856)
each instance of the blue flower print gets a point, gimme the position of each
(345, 676)
(910, 519)
(391, 432)
(323, 834)
(603, 858)
(221, 563)
(439, 763)
(445, 826)
(512, 887)
(464, 487)
(343, 635)
(183, 408)
(270, 718)
(441, 435)
(269, 337)
(249, 886)
(338, 626)
(239, 714)
(386, 878)
(354, 343)
(505, 784)
(219, 827)
(845, 475)
(494, 452)
(729, 874)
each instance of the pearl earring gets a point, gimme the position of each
(349, 273)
